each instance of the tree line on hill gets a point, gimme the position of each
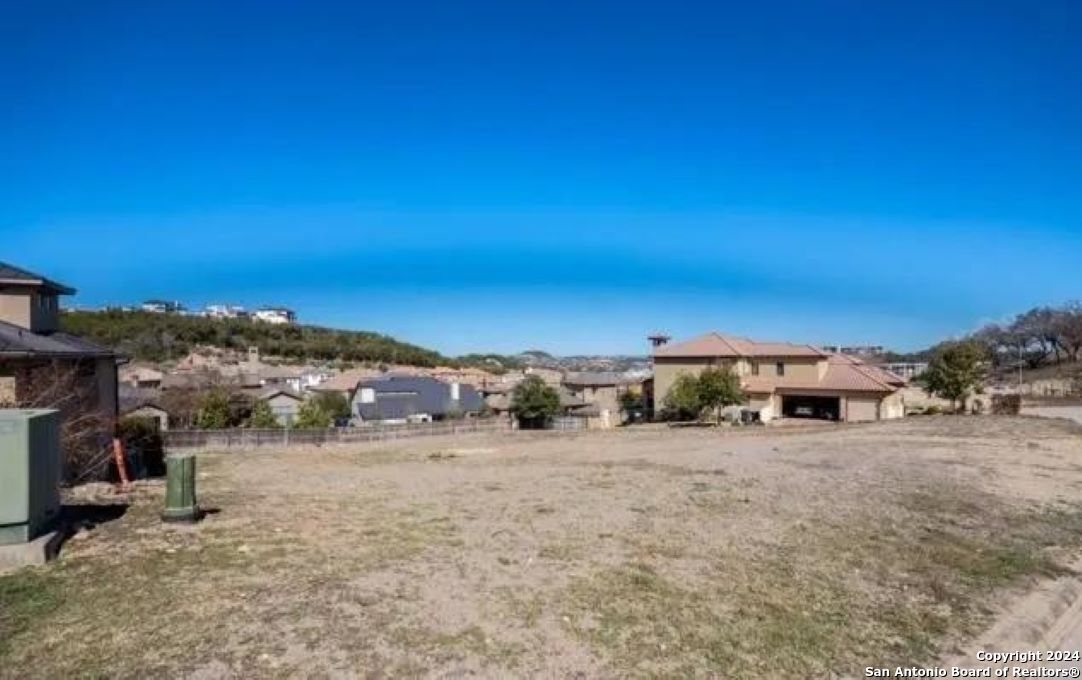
(1039, 337)
(146, 336)
(1036, 338)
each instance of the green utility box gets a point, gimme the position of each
(180, 501)
(30, 467)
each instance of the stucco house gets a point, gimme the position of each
(284, 403)
(601, 392)
(398, 399)
(42, 366)
(786, 379)
(141, 376)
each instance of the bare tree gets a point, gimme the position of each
(1068, 324)
(87, 428)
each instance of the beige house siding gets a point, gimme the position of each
(667, 369)
(606, 398)
(33, 310)
(285, 409)
(15, 307)
(892, 407)
(766, 404)
(797, 371)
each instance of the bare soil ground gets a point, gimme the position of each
(789, 552)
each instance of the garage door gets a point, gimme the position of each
(802, 406)
(862, 410)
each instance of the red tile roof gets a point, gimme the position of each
(718, 345)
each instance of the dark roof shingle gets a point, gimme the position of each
(397, 397)
(20, 342)
(9, 273)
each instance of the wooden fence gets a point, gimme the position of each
(245, 438)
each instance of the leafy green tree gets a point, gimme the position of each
(683, 401)
(311, 416)
(533, 402)
(718, 388)
(262, 417)
(214, 412)
(333, 403)
(955, 371)
(630, 402)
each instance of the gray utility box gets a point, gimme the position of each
(30, 468)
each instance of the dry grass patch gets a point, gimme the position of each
(887, 589)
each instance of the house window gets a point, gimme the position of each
(755, 368)
(781, 368)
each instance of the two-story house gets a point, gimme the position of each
(601, 392)
(44, 367)
(786, 379)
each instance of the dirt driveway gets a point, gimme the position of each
(653, 552)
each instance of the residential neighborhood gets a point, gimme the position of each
(561, 340)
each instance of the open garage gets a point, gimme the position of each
(808, 406)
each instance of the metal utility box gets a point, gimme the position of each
(30, 467)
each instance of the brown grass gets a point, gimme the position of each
(648, 553)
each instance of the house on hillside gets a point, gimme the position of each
(138, 375)
(345, 383)
(42, 366)
(288, 377)
(275, 315)
(225, 312)
(398, 399)
(162, 307)
(785, 379)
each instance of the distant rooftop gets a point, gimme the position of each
(12, 275)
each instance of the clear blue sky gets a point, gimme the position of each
(568, 176)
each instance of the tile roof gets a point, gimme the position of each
(843, 374)
(719, 345)
(9, 273)
(598, 379)
(16, 341)
(346, 381)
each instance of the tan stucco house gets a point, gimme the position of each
(786, 379)
(44, 367)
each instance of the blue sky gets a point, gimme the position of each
(566, 176)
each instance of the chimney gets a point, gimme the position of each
(658, 339)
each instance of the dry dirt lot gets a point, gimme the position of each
(789, 552)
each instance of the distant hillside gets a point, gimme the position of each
(160, 337)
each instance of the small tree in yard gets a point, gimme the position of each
(333, 403)
(214, 412)
(683, 401)
(312, 416)
(630, 403)
(533, 402)
(955, 371)
(718, 388)
(262, 417)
